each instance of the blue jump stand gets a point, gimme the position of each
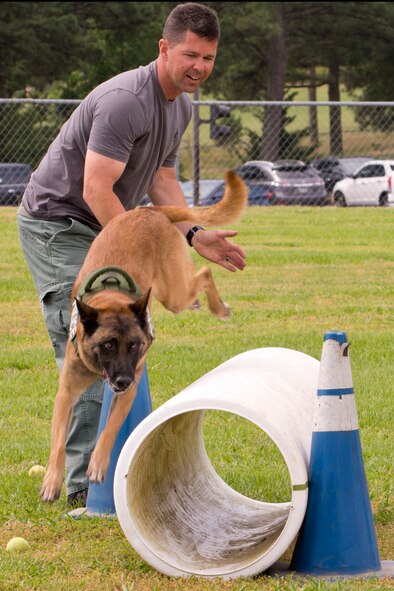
(100, 500)
(337, 536)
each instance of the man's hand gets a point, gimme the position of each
(213, 246)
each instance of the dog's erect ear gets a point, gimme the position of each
(88, 316)
(139, 306)
(140, 309)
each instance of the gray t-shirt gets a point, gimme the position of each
(126, 118)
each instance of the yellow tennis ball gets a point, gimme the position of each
(17, 545)
(37, 470)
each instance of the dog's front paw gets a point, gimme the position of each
(97, 468)
(51, 487)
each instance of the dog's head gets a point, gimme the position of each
(113, 340)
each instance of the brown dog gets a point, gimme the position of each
(111, 334)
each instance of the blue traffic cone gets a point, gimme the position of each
(338, 534)
(100, 500)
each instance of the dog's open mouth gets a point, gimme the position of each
(117, 390)
(119, 387)
(120, 390)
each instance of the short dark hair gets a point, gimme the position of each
(197, 18)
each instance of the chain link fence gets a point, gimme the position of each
(289, 152)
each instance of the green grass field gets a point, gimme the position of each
(309, 270)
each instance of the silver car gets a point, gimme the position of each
(291, 182)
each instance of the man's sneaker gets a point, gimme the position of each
(77, 499)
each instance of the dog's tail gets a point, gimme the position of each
(228, 210)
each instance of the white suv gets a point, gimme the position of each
(371, 184)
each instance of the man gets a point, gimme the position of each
(120, 143)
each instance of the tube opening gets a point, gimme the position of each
(246, 458)
(180, 492)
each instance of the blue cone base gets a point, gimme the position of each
(100, 496)
(338, 533)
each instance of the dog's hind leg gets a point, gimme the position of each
(184, 289)
(206, 283)
(74, 379)
(187, 290)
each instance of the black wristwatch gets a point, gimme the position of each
(191, 232)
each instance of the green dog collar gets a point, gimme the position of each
(108, 278)
(112, 278)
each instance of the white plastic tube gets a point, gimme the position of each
(175, 510)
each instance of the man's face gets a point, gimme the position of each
(187, 64)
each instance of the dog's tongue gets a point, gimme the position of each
(106, 376)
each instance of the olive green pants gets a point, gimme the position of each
(54, 252)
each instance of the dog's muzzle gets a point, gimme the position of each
(120, 384)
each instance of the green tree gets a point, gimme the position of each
(370, 72)
(271, 46)
(64, 49)
(342, 41)
(258, 40)
(40, 42)
(125, 33)
(241, 66)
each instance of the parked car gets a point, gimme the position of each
(13, 182)
(290, 182)
(333, 169)
(258, 194)
(206, 186)
(371, 184)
